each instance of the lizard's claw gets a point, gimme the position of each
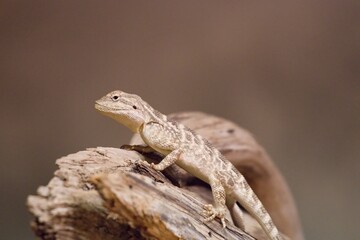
(211, 213)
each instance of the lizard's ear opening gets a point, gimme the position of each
(134, 107)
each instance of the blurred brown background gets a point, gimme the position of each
(288, 71)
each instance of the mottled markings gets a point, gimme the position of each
(274, 231)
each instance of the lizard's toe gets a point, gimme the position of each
(211, 213)
(144, 163)
(223, 222)
(209, 218)
(157, 167)
(208, 207)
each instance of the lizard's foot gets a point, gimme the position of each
(144, 163)
(142, 150)
(138, 148)
(156, 167)
(127, 147)
(212, 212)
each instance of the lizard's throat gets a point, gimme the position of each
(132, 123)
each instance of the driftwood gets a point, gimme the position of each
(108, 193)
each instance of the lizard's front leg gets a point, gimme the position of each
(170, 159)
(219, 207)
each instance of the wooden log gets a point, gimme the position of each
(108, 193)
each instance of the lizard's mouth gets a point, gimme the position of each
(100, 107)
(103, 108)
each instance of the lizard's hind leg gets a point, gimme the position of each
(219, 207)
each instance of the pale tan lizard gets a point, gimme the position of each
(191, 152)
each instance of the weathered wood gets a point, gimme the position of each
(107, 193)
(70, 208)
(135, 202)
(160, 210)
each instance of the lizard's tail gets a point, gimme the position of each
(248, 199)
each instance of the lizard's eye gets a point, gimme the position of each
(115, 97)
(134, 107)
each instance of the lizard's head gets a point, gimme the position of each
(127, 109)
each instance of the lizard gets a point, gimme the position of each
(190, 151)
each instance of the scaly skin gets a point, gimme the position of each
(191, 152)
